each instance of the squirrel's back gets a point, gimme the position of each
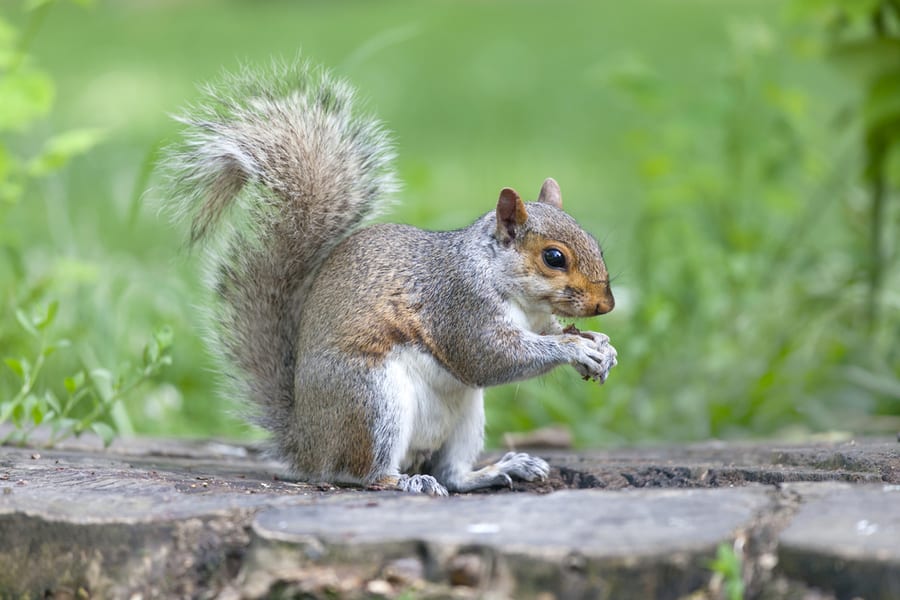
(305, 171)
(398, 264)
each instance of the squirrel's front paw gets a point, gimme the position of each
(595, 356)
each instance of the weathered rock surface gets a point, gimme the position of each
(180, 519)
(847, 539)
(576, 543)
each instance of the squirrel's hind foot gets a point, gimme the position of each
(414, 484)
(421, 484)
(513, 465)
(523, 466)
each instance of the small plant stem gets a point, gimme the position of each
(28, 385)
(102, 407)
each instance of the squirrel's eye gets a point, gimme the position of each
(554, 258)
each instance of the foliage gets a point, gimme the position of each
(716, 158)
(26, 95)
(863, 38)
(727, 566)
(91, 394)
(742, 316)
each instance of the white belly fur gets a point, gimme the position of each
(536, 320)
(432, 403)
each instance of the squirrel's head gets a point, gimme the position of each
(560, 263)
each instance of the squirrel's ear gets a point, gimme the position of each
(511, 214)
(550, 193)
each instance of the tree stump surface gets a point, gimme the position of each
(171, 518)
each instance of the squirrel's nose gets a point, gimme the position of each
(605, 306)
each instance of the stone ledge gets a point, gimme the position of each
(587, 543)
(845, 538)
(201, 519)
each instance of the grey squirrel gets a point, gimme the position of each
(364, 349)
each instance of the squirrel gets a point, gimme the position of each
(364, 348)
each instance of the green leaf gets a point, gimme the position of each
(52, 401)
(728, 564)
(18, 413)
(164, 337)
(37, 413)
(101, 374)
(60, 149)
(22, 364)
(106, 433)
(102, 382)
(74, 383)
(16, 366)
(119, 383)
(43, 321)
(26, 323)
(25, 95)
(151, 353)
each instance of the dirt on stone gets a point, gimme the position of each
(715, 465)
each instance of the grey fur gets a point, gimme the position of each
(286, 145)
(364, 350)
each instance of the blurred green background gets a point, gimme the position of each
(721, 152)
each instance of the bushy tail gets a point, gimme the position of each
(304, 172)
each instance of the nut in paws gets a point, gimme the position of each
(596, 356)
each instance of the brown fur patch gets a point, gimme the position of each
(577, 294)
(387, 322)
(357, 453)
